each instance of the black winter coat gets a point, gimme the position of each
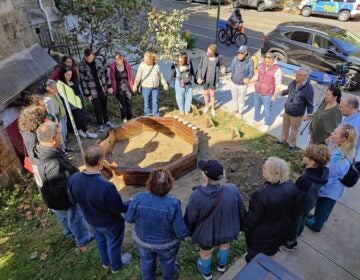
(52, 171)
(271, 209)
(310, 183)
(224, 223)
(203, 65)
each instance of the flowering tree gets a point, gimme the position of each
(165, 28)
(130, 26)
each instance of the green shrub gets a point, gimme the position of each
(189, 38)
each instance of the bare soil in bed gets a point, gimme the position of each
(150, 149)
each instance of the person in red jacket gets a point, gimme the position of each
(267, 84)
(122, 81)
(67, 62)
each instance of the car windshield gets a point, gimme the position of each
(346, 40)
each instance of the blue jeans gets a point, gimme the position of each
(183, 97)
(63, 124)
(167, 262)
(323, 208)
(266, 101)
(109, 242)
(150, 93)
(74, 224)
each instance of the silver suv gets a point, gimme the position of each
(260, 5)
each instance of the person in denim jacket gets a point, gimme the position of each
(159, 226)
(342, 145)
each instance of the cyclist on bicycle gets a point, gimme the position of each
(234, 22)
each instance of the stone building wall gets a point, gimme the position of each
(16, 31)
(10, 164)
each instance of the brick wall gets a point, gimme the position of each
(9, 162)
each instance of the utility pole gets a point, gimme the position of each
(217, 21)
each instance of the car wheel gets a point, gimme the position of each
(222, 36)
(352, 80)
(261, 6)
(306, 11)
(279, 57)
(344, 15)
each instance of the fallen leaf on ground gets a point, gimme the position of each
(33, 255)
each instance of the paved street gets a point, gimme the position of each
(202, 24)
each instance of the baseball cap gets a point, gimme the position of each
(212, 169)
(242, 49)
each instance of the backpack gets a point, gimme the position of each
(352, 176)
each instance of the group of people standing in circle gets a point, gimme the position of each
(215, 214)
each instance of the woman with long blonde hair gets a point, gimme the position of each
(342, 145)
(147, 81)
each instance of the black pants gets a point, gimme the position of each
(124, 97)
(229, 32)
(100, 108)
(79, 119)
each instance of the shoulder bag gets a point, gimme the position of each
(148, 74)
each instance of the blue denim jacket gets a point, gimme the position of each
(158, 219)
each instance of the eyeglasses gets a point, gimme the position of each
(268, 56)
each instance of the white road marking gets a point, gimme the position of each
(203, 27)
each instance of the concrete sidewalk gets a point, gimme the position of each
(334, 253)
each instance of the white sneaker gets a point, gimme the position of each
(91, 135)
(205, 110)
(266, 127)
(101, 128)
(213, 112)
(125, 120)
(82, 133)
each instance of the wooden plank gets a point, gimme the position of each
(129, 130)
(186, 137)
(184, 167)
(159, 122)
(184, 129)
(108, 143)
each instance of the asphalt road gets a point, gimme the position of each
(202, 24)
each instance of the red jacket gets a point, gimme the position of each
(265, 84)
(113, 78)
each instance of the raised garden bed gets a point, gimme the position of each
(135, 148)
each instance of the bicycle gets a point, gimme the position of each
(237, 37)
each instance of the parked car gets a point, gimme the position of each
(260, 5)
(209, 2)
(317, 45)
(342, 9)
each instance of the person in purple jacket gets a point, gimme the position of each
(102, 207)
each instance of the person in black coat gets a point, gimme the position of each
(271, 210)
(52, 171)
(316, 175)
(214, 216)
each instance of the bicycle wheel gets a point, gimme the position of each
(240, 39)
(222, 35)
